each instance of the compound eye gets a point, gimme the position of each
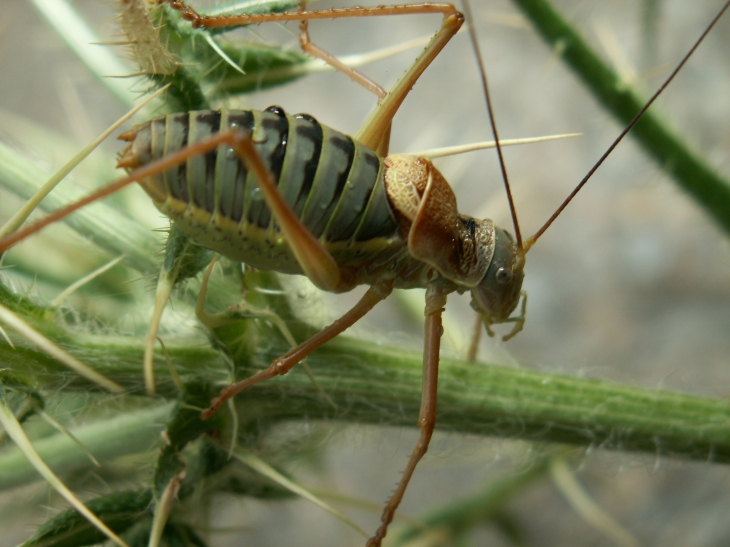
(504, 275)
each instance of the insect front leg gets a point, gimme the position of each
(435, 302)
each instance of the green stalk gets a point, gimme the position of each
(380, 384)
(673, 155)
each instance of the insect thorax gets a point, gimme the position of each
(472, 254)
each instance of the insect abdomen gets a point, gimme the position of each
(333, 184)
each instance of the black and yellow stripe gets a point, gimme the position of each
(332, 183)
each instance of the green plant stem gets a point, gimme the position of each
(687, 168)
(380, 384)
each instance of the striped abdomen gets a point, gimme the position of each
(332, 183)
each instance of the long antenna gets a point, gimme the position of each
(485, 87)
(531, 241)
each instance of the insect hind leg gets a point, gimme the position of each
(375, 132)
(316, 262)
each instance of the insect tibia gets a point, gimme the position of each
(459, 247)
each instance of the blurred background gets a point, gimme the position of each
(631, 284)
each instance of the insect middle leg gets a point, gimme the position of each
(284, 364)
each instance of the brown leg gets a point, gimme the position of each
(476, 334)
(211, 321)
(316, 262)
(315, 51)
(435, 302)
(376, 129)
(381, 147)
(375, 132)
(284, 364)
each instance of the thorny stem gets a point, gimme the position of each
(381, 384)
